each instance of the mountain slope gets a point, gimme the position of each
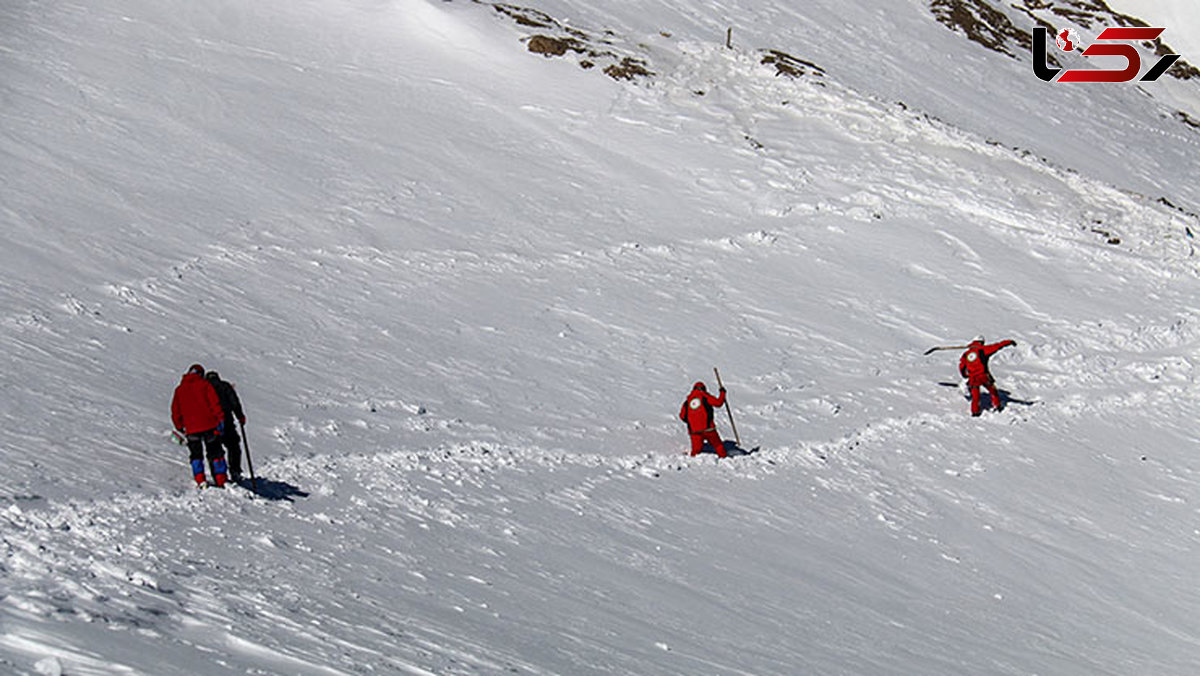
(463, 289)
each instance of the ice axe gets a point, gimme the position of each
(945, 347)
(728, 409)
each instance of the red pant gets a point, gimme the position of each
(711, 436)
(991, 388)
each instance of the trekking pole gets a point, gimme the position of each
(728, 409)
(249, 462)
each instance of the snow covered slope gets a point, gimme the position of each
(463, 289)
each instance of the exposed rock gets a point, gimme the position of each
(628, 69)
(786, 64)
(982, 23)
(542, 44)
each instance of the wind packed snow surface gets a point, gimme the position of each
(463, 290)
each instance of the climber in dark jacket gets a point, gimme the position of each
(227, 395)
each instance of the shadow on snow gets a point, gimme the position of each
(272, 489)
(731, 449)
(1005, 395)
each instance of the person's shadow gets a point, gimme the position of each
(1005, 396)
(272, 490)
(731, 449)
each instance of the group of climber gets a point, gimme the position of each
(697, 409)
(205, 407)
(203, 410)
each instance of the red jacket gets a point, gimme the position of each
(697, 409)
(195, 408)
(973, 365)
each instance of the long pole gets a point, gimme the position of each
(249, 462)
(945, 347)
(728, 409)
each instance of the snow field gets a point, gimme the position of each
(463, 290)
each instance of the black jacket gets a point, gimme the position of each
(229, 402)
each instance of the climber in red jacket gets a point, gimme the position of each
(196, 412)
(697, 412)
(973, 365)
